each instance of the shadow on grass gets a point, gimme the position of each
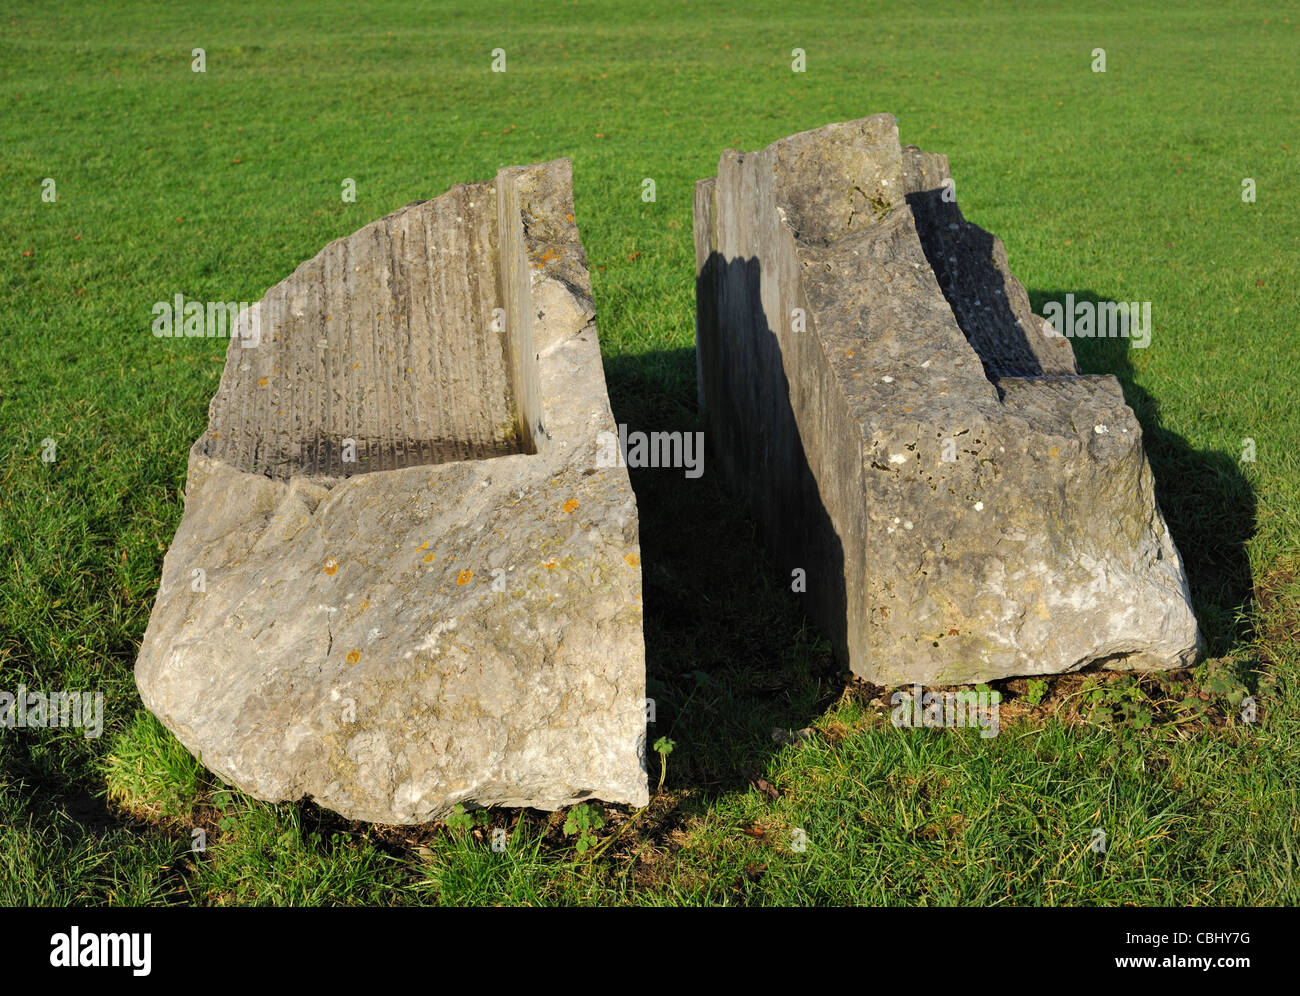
(729, 654)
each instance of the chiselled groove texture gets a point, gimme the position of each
(962, 504)
(388, 339)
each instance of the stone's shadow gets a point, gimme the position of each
(730, 654)
(762, 457)
(1206, 499)
(976, 290)
(30, 764)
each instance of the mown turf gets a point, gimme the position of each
(1124, 185)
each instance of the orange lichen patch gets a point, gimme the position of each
(354, 656)
(331, 566)
(422, 546)
(429, 557)
(464, 578)
(365, 605)
(548, 256)
(262, 382)
(549, 564)
(571, 504)
(633, 560)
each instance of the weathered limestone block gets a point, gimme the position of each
(966, 506)
(417, 587)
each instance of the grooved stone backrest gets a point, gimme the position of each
(391, 348)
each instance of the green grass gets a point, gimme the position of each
(149, 773)
(1124, 185)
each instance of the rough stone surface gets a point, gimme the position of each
(1038, 546)
(454, 616)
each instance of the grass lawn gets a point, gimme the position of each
(1122, 185)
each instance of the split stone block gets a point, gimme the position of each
(964, 506)
(401, 581)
